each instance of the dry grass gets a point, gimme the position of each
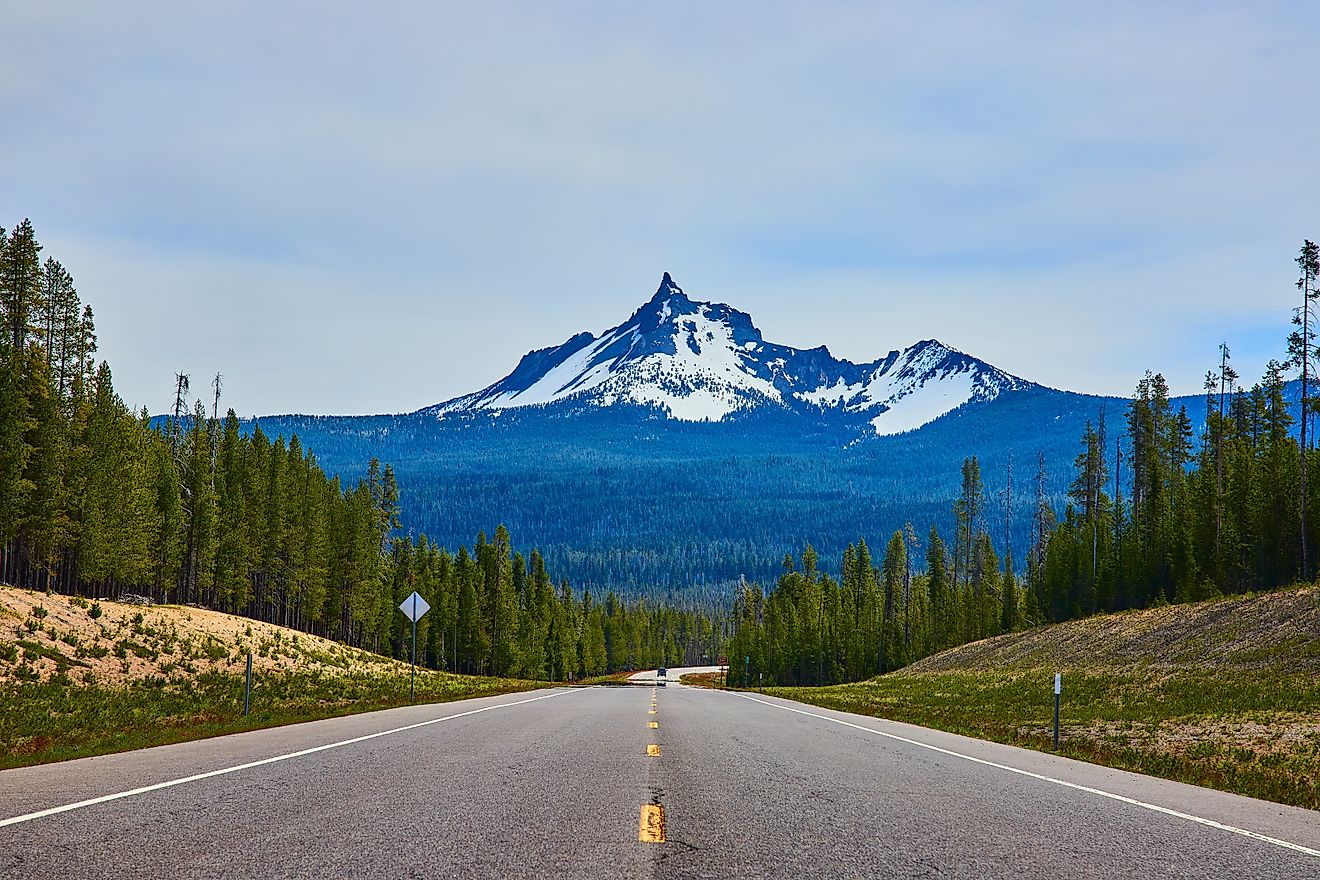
(703, 679)
(44, 637)
(1277, 631)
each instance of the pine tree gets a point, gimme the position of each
(21, 300)
(1009, 615)
(943, 622)
(1301, 351)
(893, 652)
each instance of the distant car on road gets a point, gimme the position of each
(661, 676)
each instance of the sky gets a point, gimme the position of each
(366, 208)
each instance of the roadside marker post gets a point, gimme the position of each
(413, 608)
(247, 688)
(1058, 689)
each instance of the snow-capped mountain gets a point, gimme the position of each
(703, 361)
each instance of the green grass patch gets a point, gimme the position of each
(36, 649)
(610, 678)
(57, 720)
(1256, 733)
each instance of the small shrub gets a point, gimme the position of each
(40, 612)
(95, 611)
(78, 601)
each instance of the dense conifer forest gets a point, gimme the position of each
(627, 499)
(1164, 510)
(97, 500)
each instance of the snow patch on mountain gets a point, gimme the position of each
(833, 395)
(923, 404)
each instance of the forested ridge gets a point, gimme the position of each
(1164, 510)
(97, 500)
(625, 498)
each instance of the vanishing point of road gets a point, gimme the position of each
(632, 782)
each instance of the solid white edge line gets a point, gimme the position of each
(90, 802)
(1297, 847)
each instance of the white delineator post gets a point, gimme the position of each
(1058, 689)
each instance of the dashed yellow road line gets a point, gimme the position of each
(652, 712)
(651, 825)
(654, 725)
(653, 751)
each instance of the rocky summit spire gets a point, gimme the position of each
(667, 289)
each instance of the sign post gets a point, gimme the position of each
(1058, 689)
(413, 608)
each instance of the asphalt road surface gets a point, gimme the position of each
(559, 783)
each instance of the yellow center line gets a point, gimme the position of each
(652, 712)
(653, 751)
(654, 725)
(651, 825)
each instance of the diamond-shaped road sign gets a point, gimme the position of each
(414, 607)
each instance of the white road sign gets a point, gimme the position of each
(414, 607)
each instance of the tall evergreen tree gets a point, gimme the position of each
(1301, 351)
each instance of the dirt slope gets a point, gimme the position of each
(43, 637)
(1272, 631)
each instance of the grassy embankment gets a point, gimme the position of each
(608, 678)
(80, 678)
(1224, 693)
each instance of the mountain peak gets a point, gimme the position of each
(703, 361)
(667, 289)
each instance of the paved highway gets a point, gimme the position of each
(578, 783)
